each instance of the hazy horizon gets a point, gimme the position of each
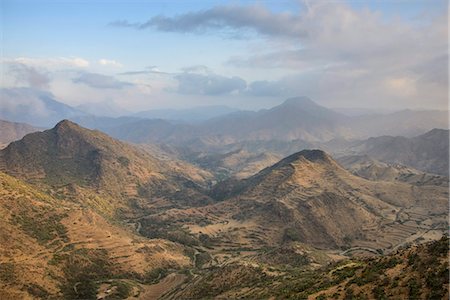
(142, 55)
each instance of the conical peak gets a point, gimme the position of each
(311, 155)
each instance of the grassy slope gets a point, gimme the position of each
(416, 273)
(47, 245)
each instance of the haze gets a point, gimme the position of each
(113, 58)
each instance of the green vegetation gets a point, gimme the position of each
(202, 259)
(37, 291)
(155, 275)
(156, 228)
(121, 290)
(7, 272)
(83, 269)
(124, 161)
(424, 272)
(42, 226)
(291, 234)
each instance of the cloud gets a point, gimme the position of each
(254, 17)
(21, 101)
(266, 88)
(149, 70)
(331, 50)
(109, 63)
(100, 81)
(197, 69)
(49, 63)
(29, 76)
(208, 84)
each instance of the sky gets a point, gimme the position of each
(126, 56)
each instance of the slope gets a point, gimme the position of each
(107, 174)
(419, 272)
(427, 152)
(308, 197)
(372, 169)
(10, 131)
(48, 245)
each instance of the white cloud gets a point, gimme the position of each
(110, 63)
(50, 63)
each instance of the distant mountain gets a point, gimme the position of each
(239, 163)
(103, 123)
(195, 114)
(296, 118)
(372, 169)
(296, 121)
(11, 131)
(103, 109)
(428, 152)
(35, 107)
(405, 123)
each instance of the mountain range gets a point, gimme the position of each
(295, 120)
(106, 218)
(427, 152)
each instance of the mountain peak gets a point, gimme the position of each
(314, 155)
(300, 101)
(66, 123)
(67, 128)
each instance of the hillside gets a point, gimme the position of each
(239, 163)
(414, 273)
(372, 169)
(107, 174)
(103, 215)
(50, 245)
(427, 152)
(10, 131)
(307, 197)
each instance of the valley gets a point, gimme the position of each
(224, 150)
(118, 220)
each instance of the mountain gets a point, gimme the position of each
(239, 163)
(195, 114)
(428, 152)
(103, 123)
(308, 197)
(372, 169)
(54, 248)
(407, 123)
(296, 118)
(35, 107)
(11, 131)
(418, 272)
(87, 216)
(73, 160)
(297, 121)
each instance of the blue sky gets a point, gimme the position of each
(154, 54)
